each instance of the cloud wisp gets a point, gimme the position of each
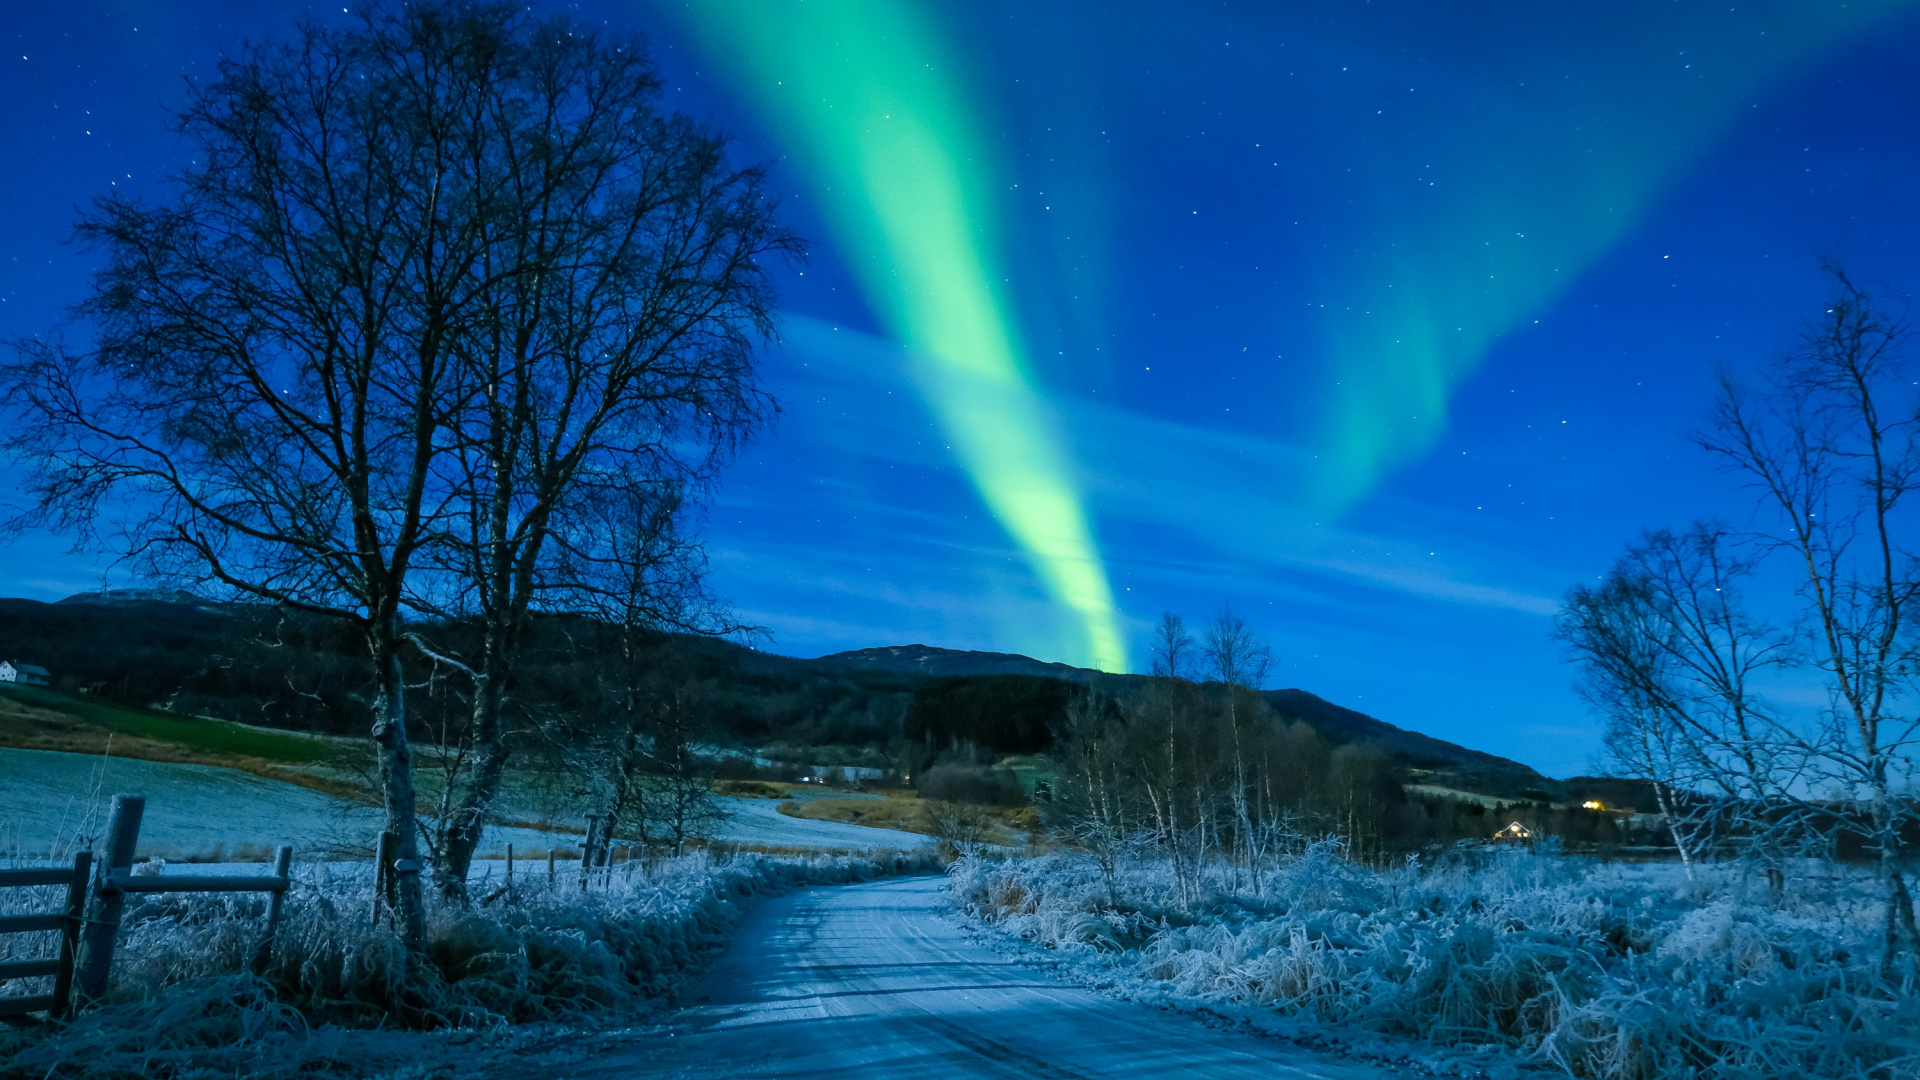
(1218, 496)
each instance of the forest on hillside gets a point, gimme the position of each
(757, 715)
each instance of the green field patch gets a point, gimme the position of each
(196, 732)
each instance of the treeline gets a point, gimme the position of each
(257, 664)
(252, 664)
(1201, 772)
(773, 717)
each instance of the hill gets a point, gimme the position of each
(1438, 762)
(928, 660)
(259, 666)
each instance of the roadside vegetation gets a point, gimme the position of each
(1760, 692)
(1606, 971)
(182, 1002)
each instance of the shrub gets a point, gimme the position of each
(977, 784)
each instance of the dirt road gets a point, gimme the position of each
(871, 981)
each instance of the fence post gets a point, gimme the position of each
(109, 903)
(549, 868)
(383, 883)
(282, 867)
(70, 935)
(589, 847)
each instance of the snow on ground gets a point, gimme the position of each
(52, 801)
(759, 821)
(1612, 972)
(877, 980)
(179, 1005)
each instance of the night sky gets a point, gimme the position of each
(1384, 322)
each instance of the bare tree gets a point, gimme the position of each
(278, 352)
(1239, 660)
(1091, 799)
(632, 565)
(963, 829)
(1235, 655)
(1176, 761)
(1171, 645)
(1830, 444)
(613, 357)
(1671, 657)
(675, 803)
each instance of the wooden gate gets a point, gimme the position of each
(117, 880)
(89, 926)
(67, 923)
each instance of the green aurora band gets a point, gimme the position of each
(1470, 207)
(864, 92)
(1540, 171)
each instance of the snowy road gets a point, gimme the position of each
(759, 821)
(870, 980)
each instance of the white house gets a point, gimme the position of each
(14, 671)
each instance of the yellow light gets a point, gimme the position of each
(1593, 804)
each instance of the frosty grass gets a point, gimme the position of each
(1614, 972)
(179, 1005)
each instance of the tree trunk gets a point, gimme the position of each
(619, 786)
(1900, 918)
(467, 824)
(1673, 827)
(1900, 924)
(396, 779)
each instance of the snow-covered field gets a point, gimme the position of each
(52, 801)
(1612, 972)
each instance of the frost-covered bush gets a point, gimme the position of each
(1615, 972)
(182, 1002)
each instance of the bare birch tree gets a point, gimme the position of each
(1670, 656)
(630, 562)
(1171, 646)
(1091, 798)
(613, 356)
(274, 360)
(1239, 660)
(1829, 441)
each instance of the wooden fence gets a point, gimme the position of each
(85, 958)
(66, 922)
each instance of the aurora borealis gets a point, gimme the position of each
(1526, 173)
(1515, 193)
(863, 89)
(1384, 322)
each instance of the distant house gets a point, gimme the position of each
(14, 671)
(1514, 833)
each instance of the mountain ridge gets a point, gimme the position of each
(1459, 764)
(156, 630)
